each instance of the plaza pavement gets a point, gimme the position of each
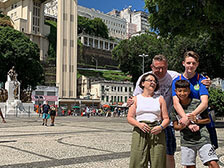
(74, 142)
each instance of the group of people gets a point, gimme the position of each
(48, 112)
(165, 101)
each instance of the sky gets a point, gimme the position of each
(108, 5)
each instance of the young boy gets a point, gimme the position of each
(193, 142)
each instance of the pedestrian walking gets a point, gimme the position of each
(52, 114)
(3, 119)
(46, 110)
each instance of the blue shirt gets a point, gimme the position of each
(197, 88)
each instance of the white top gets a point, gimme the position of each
(165, 87)
(148, 108)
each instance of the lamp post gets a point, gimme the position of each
(143, 61)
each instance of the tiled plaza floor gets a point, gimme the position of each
(74, 142)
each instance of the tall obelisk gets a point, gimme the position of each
(67, 49)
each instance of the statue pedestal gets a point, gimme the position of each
(13, 105)
(13, 102)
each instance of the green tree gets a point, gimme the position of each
(52, 37)
(94, 27)
(192, 19)
(17, 50)
(127, 53)
(216, 99)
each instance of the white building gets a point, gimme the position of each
(137, 18)
(45, 93)
(28, 17)
(111, 92)
(97, 42)
(116, 26)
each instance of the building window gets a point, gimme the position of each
(39, 92)
(107, 99)
(51, 93)
(125, 89)
(36, 17)
(102, 98)
(125, 98)
(115, 98)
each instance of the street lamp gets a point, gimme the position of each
(143, 61)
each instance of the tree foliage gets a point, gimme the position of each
(52, 37)
(216, 100)
(188, 17)
(17, 50)
(127, 53)
(95, 27)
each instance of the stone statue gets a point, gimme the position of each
(12, 74)
(16, 90)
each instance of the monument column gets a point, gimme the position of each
(67, 48)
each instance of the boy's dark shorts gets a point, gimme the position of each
(170, 140)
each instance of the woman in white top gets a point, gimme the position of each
(148, 114)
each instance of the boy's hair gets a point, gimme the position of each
(182, 84)
(143, 80)
(191, 54)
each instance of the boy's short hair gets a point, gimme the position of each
(182, 84)
(143, 80)
(191, 54)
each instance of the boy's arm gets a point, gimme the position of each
(200, 121)
(177, 126)
(179, 109)
(203, 121)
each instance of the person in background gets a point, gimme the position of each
(3, 119)
(87, 112)
(52, 114)
(148, 114)
(45, 110)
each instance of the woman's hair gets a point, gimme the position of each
(143, 80)
(182, 84)
(191, 54)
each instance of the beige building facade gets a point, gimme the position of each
(28, 17)
(66, 74)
